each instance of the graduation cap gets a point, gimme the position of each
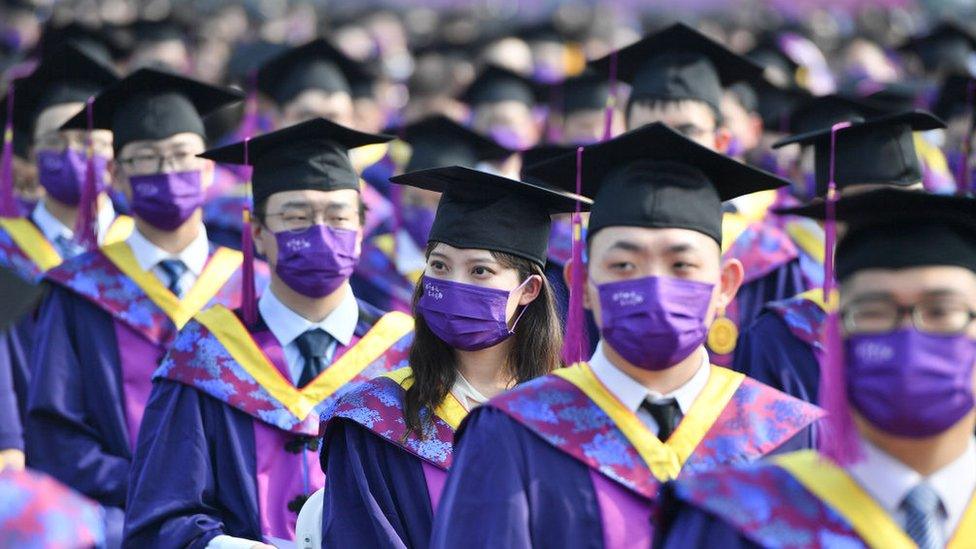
(99, 43)
(892, 96)
(678, 63)
(315, 65)
(777, 65)
(947, 46)
(310, 155)
(896, 228)
(153, 31)
(655, 177)
(151, 104)
(956, 96)
(543, 153)
(438, 141)
(65, 75)
(588, 91)
(246, 57)
(774, 104)
(495, 84)
(818, 113)
(876, 151)
(490, 212)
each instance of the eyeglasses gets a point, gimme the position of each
(298, 218)
(59, 141)
(935, 317)
(144, 163)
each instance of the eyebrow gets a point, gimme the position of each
(437, 255)
(627, 246)
(942, 292)
(680, 248)
(873, 296)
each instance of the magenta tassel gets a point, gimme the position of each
(963, 184)
(249, 302)
(8, 203)
(611, 99)
(837, 438)
(86, 232)
(249, 124)
(830, 223)
(576, 344)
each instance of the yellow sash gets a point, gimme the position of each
(232, 334)
(816, 296)
(838, 490)
(30, 241)
(451, 411)
(665, 459)
(809, 242)
(219, 269)
(119, 230)
(733, 225)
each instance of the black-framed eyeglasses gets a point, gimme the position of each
(934, 317)
(155, 163)
(298, 218)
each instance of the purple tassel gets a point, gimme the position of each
(963, 184)
(86, 233)
(8, 204)
(830, 223)
(576, 343)
(249, 302)
(249, 124)
(837, 438)
(611, 99)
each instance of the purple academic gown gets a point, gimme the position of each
(544, 466)
(218, 453)
(11, 431)
(782, 347)
(37, 511)
(377, 281)
(98, 339)
(384, 483)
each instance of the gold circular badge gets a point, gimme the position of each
(722, 336)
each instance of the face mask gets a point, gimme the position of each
(417, 221)
(654, 322)
(911, 384)
(62, 174)
(509, 138)
(166, 200)
(466, 316)
(735, 147)
(316, 261)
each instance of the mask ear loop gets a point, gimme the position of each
(524, 307)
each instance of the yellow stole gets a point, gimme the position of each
(809, 242)
(842, 493)
(42, 253)
(665, 459)
(451, 411)
(232, 334)
(222, 265)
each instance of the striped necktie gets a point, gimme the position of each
(922, 521)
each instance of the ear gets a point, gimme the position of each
(257, 232)
(723, 137)
(531, 290)
(208, 173)
(756, 126)
(120, 181)
(731, 279)
(567, 276)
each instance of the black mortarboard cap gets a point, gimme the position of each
(311, 155)
(152, 104)
(315, 65)
(65, 75)
(877, 151)
(817, 113)
(947, 46)
(655, 177)
(957, 94)
(679, 63)
(894, 96)
(776, 64)
(897, 229)
(490, 212)
(585, 92)
(775, 104)
(246, 57)
(438, 141)
(495, 84)
(98, 43)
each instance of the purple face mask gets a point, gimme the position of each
(63, 173)
(166, 200)
(911, 384)
(466, 316)
(654, 322)
(316, 261)
(735, 147)
(417, 221)
(509, 138)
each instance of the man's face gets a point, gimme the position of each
(693, 119)
(506, 120)
(585, 127)
(336, 107)
(625, 253)
(177, 153)
(47, 136)
(745, 126)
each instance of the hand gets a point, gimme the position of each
(11, 459)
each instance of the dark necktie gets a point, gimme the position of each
(67, 247)
(314, 346)
(174, 269)
(666, 413)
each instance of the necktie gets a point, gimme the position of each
(922, 521)
(174, 269)
(666, 413)
(67, 247)
(314, 345)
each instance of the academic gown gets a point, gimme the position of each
(100, 334)
(782, 348)
(11, 430)
(25, 250)
(228, 443)
(560, 462)
(384, 483)
(377, 280)
(37, 511)
(793, 500)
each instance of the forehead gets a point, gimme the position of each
(182, 140)
(909, 284)
(460, 254)
(675, 113)
(343, 197)
(651, 239)
(51, 118)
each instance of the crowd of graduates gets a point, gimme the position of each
(575, 274)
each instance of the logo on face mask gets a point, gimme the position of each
(298, 245)
(146, 189)
(433, 292)
(628, 299)
(874, 352)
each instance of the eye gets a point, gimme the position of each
(481, 271)
(622, 266)
(437, 265)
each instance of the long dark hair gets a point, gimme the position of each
(535, 351)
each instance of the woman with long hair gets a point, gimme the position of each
(485, 322)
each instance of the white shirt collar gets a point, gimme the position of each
(888, 481)
(409, 257)
(148, 255)
(467, 394)
(286, 325)
(632, 394)
(51, 227)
